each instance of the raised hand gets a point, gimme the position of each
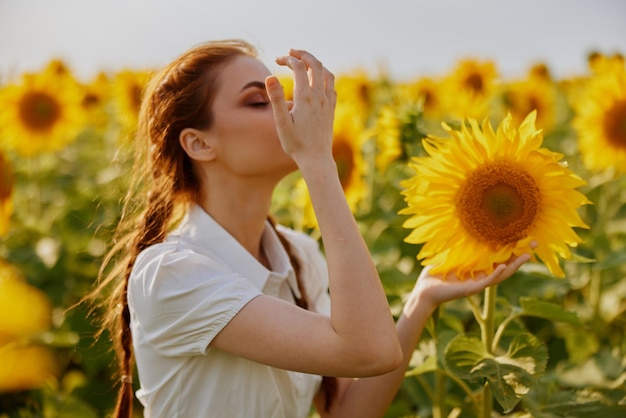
(305, 128)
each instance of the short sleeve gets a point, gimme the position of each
(180, 300)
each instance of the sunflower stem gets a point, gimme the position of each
(487, 334)
(440, 394)
(476, 310)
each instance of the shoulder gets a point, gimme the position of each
(175, 257)
(174, 272)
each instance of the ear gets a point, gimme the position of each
(197, 144)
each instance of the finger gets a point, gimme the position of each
(276, 94)
(329, 84)
(299, 69)
(511, 267)
(313, 64)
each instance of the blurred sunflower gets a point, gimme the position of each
(96, 96)
(602, 64)
(524, 96)
(540, 72)
(127, 93)
(348, 141)
(427, 93)
(42, 113)
(287, 82)
(6, 190)
(482, 196)
(387, 133)
(356, 90)
(25, 312)
(600, 121)
(468, 89)
(57, 67)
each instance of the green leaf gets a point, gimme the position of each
(429, 365)
(510, 376)
(547, 310)
(463, 353)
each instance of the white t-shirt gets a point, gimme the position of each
(183, 291)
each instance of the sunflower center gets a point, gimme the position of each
(498, 203)
(475, 83)
(615, 124)
(344, 158)
(39, 111)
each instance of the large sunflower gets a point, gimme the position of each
(42, 113)
(482, 196)
(601, 121)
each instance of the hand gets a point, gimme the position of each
(436, 290)
(305, 128)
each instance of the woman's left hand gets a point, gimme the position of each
(436, 290)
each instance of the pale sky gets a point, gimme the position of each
(406, 37)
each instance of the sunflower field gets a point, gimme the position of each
(458, 170)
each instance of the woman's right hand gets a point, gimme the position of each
(305, 127)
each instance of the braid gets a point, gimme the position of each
(301, 301)
(152, 230)
(329, 383)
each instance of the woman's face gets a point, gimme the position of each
(243, 131)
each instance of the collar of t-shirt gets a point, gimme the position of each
(205, 233)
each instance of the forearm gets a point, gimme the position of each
(371, 397)
(359, 308)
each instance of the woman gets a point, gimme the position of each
(210, 293)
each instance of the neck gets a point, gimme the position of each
(241, 208)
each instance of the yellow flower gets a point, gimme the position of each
(348, 140)
(42, 113)
(387, 132)
(96, 96)
(600, 121)
(25, 311)
(524, 96)
(6, 189)
(601, 64)
(127, 91)
(287, 82)
(427, 93)
(469, 88)
(481, 196)
(357, 91)
(26, 367)
(540, 72)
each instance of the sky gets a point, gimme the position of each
(404, 38)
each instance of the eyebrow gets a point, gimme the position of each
(257, 84)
